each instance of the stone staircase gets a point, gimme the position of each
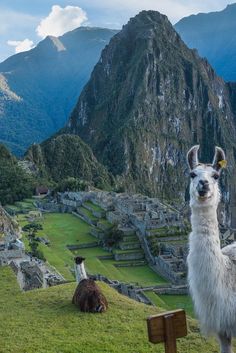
(129, 248)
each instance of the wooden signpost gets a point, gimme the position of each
(167, 327)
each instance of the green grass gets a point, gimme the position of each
(20, 206)
(127, 251)
(171, 302)
(178, 242)
(64, 229)
(12, 208)
(88, 214)
(45, 321)
(105, 222)
(93, 206)
(61, 230)
(179, 301)
(141, 275)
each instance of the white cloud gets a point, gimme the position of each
(21, 45)
(61, 20)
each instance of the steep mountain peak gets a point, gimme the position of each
(148, 16)
(148, 99)
(145, 22)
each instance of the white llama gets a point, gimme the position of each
(211, 271)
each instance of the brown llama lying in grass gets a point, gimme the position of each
(88, 296)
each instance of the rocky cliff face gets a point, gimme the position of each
(7, 225)
(148, 100)
(39, 88)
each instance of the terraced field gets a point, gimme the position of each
(66, 229)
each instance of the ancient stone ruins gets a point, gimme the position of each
(31, 272)
(153, 233)
(160, 229)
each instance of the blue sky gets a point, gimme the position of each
(23, 23)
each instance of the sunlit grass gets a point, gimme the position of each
(45, 321)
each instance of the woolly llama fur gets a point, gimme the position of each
(211, 270)
(88, 296)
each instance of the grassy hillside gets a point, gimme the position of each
(45, 321)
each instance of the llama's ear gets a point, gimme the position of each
(192, 157)
(219, 161)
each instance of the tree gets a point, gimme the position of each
(112, 236)
(15, 183)
(71, 184)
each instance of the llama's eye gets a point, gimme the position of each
(216, 176)
(192, 175)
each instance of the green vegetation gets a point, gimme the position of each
(141, 275)
(45, 321)
(31, 229)
(15, 183)
(67, 160)
(93, 206)
(71, 184)
(157, 238)
(66, 229)
(112, 237)
(62, 230)
(171, 302)
(104, 222)
(88, 214)
(127, 251)
(24, 206)
(179, 301)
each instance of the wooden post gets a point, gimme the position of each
(167, 327)
(170, 338)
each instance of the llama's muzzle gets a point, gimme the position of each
(203, 187)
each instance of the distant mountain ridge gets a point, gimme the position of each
(39, 88)
(214, 36)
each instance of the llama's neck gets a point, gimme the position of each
(205, 251)
(80, 272)
(204, 221)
